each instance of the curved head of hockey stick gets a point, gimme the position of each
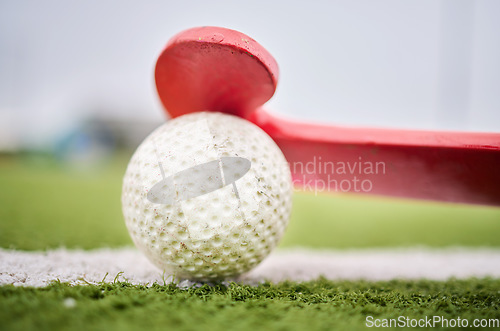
(214, 69)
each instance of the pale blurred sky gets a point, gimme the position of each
(409, 64)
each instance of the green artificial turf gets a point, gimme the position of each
(46, 205)
(327, 221)
(317, 305)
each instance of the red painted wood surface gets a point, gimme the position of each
(218, 69)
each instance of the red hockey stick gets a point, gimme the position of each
(217, 69)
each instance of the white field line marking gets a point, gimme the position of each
(40, 268)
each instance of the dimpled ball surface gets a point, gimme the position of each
(216, 235)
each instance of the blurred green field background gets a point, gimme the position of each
(45, 204)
